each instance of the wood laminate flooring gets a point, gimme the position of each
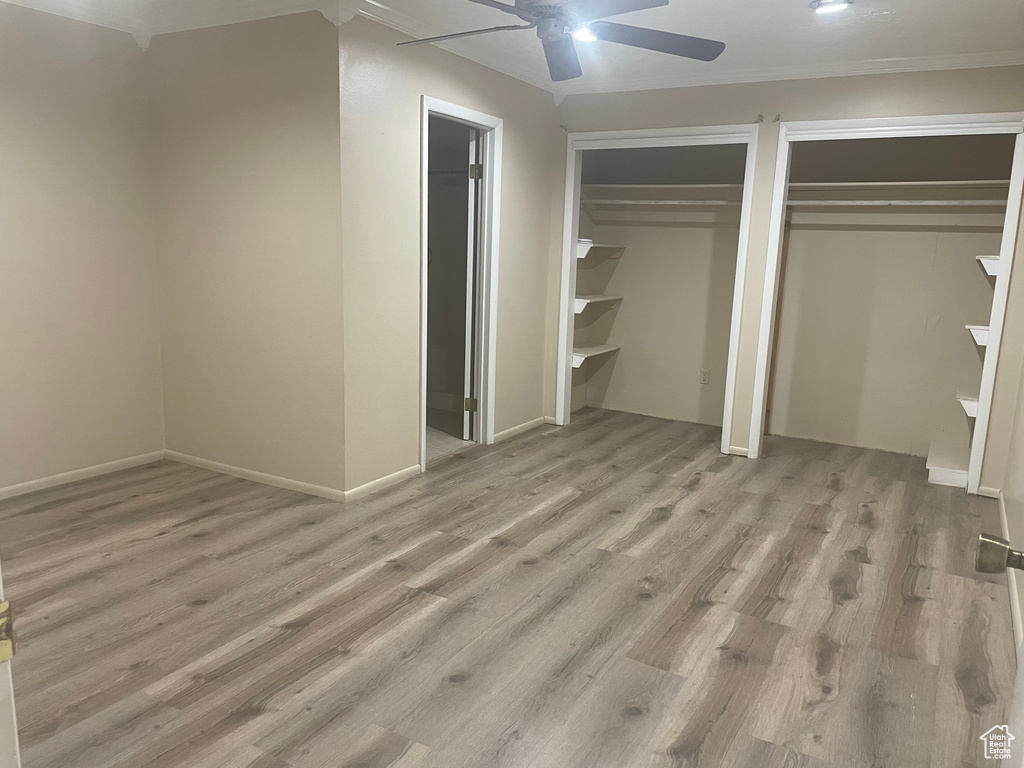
(613, 593)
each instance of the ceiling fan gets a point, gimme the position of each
(558, 21)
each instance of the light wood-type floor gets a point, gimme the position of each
(614, 593)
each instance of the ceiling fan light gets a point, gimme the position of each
(584, 35)
(830, 6)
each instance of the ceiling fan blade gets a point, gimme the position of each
(656, 40)
(472, 32)
(495, 4)
(563, 63)
(600, 9)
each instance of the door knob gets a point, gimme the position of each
(995, 555)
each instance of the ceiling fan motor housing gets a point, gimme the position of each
(550, 28)
(552, 18)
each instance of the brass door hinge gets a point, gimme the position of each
(476, 171)
(471, 404)
(7, 640)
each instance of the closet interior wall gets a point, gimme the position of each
(446, 288)
(880, 283)
(676, 213)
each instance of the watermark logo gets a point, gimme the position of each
(997, 742)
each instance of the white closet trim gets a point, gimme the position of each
(946, 125)
(634, 139)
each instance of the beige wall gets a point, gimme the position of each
(247, 156)
(872, 344)
(677, 283)
(79, 300)
(920, 93)
(381, 89)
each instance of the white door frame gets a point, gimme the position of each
(634, 139)
(9, 753)
(937, 125)
(491, 136)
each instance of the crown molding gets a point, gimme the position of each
(184, 15)
(836, 69)
(83, 10)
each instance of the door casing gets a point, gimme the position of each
(876, 128)
(485, 320)
(633, 139)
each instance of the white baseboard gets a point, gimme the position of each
(1011, 581)
(988, 491)
(736, 450)
(506, 434)
(952, 478)
(259, 477)
(80, 474)
(382, 482)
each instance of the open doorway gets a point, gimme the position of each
(461, 183)
(653, 268)
(453, 170)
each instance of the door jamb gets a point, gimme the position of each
(491, 135)
(937, 125)
(632, 139)
(9, 725)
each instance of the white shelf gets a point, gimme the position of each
(947, 464)
(980, 334)
(969, 401)
(586, 248)
(579, 354)
(582, 302)
(990, 264)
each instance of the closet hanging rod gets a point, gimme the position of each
(658, 202)
(896, 203)
(808, 185)
(662, 186)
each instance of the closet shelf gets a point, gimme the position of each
(980, 334)
(990, 264)
(585, 248)
(969, 401)
(582, 302)
(579, 354)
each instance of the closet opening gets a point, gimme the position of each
(658, 245)
(461, 181)
(891, 262)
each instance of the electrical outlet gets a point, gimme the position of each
(705, 376)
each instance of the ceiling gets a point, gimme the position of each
(766, 39)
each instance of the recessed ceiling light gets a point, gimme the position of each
(830, 6)
(584, 34)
